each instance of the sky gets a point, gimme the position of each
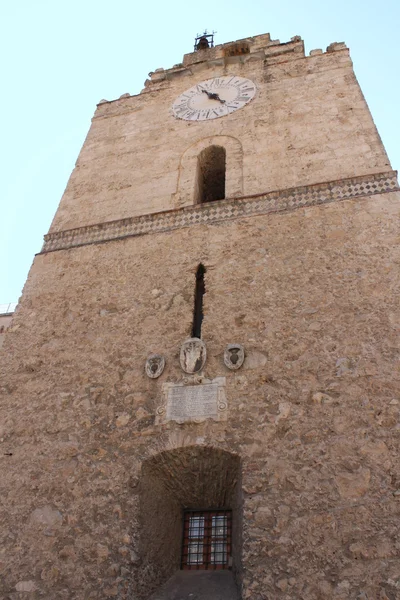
(60, 58)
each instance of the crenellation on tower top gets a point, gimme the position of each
(240, 52)
(243, 47)
(336, 46)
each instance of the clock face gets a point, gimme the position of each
(214, 98)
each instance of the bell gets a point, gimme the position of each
(203, 44)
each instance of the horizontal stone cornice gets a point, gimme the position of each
(223, 210)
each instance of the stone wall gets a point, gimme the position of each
(312, 294)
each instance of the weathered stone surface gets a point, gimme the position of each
(353, 485)
(255, 359)
(25, 586)
(46, 516)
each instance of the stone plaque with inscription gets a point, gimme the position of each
(196, 403)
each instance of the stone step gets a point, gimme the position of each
(198, 585)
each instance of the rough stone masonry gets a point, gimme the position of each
(301, 264)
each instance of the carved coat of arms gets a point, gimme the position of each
(234, 356)
(154, 366)
(193, 355)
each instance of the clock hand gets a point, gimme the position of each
(216, 97)
(209, 94)
(213, 96)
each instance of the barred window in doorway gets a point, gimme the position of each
(207, 540)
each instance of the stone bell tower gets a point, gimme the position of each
(200, 387)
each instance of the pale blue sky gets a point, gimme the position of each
(59, 58)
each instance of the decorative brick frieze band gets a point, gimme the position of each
(224, 210)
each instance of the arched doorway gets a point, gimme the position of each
(190, 514)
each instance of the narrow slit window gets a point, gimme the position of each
(200, 290)
(211, 174)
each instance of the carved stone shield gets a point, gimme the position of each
(154, 365)
(193, 355)
(234, 356)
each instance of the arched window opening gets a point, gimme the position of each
(200, 290)
(211, 173)
(191, 189)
